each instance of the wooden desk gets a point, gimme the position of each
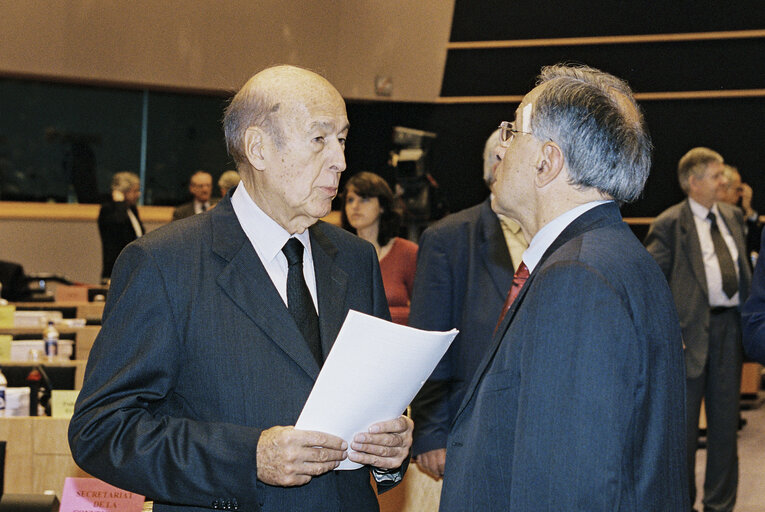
(37, 455)
(416, 493)
(751, 376)
(84, 336)
(79, 367)
(90, 311)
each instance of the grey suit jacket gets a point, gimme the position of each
(673, 241)
(187, 209)
(198, 355)
(464, 271)
(579, 403)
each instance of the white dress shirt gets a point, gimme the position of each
(199, 204)
(717, 297)
(267, 238)
(134, 222)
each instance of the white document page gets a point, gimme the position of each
(372, 373)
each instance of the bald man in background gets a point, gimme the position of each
(465, 266)
(200, 186)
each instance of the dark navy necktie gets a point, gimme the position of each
(299, 300)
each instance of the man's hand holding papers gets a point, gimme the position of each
(385, 445)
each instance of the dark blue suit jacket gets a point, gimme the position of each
(579, 404)
(753, 314)
(463, 274)
(198, 354)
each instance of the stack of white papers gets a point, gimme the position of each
(372, 373)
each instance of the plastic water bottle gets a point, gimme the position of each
(50, 335)
(3, 385)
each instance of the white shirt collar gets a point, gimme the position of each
(702, 211)
(550, 231)
(264, 233)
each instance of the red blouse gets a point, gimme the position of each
(397, 269)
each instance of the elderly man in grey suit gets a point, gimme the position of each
(700, 246)
(465, 266)
(578, 402)
(216, 327)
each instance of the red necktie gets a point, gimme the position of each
(519, 279)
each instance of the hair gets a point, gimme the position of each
(124, 181)
(200, 172)
(488, 157)
(594, 118)
(695, 162)
(251, 106)
(229, 179)
(259, 102)
(369, 184)
(729, 171)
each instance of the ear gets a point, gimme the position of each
(551, 164)
(693, 180)
(253, 147)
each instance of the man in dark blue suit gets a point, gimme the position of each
(753, 313)
(578, 404)
(204, 363)
(464, 269)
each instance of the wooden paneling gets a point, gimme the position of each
(37, 455)
(593, 40)
(216, 46)
(416, 493)
(18, 210)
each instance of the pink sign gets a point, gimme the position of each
(93, 495)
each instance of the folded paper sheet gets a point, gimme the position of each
(372, 373)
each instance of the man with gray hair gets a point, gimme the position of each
(216, 327)
(118, 220)
(699, 244)
(465, 265)
(227, 181)
(739, 194)
(578, 404)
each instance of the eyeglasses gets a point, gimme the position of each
(507, 133)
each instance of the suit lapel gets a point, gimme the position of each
(494, 251)
(331, 284)
(140, 223)
(736, 229)
(260, 302)
(689, 238)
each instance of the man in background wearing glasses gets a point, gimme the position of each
(579, 402)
